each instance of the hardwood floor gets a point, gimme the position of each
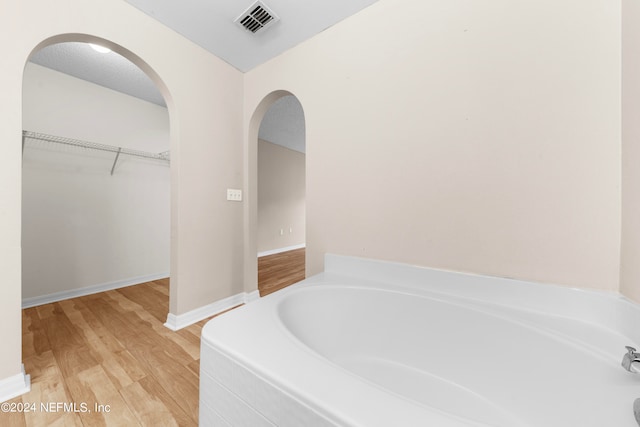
(280, 270)
(109, 358)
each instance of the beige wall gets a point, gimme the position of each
(280, 197)
(479, 137)
(204, 97)
(630, 257)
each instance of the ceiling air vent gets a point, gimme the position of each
(257, 17)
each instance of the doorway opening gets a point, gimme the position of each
(281, 188)
(95, 171)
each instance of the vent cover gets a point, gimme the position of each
(257, 17)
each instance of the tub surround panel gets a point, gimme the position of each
(211, 418)
(227, 405)
(267, 404)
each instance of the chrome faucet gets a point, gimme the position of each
(628, 359)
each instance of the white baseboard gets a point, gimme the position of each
(177, 322)
(14, 386)
(59, 296)
(280, 250)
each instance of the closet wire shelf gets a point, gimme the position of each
(26, 135)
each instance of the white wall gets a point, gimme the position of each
(630, 257)
(472, 136)
(204, 100)
(281, 194)
(82, 227)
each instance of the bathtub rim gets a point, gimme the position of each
(498, 311)
(340, 268)
(605, 308)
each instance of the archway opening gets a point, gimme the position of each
(277, 182)
(96, 175)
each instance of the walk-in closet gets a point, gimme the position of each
(95, 187)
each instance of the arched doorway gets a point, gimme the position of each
(119, 170)
(276, 185)
(95, 175)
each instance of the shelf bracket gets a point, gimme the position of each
(116, 160)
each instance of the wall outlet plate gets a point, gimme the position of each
(234, 195)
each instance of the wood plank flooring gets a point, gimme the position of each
(280, 270)
(109, 358)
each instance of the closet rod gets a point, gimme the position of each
(164, 156)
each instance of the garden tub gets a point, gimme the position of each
(371, 343)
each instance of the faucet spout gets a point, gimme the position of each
(629, 358)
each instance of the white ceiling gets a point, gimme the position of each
(283, 124)
(110, 69)
(210, 24)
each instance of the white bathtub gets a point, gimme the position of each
(379, 344)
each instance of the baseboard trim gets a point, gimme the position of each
(14, 386)
(280, 250)
(177, 322)
(89, 290)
